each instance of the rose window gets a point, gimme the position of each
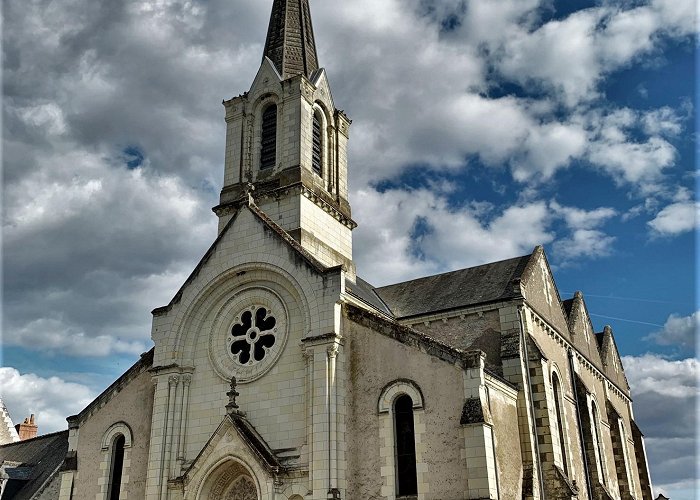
(253, 335)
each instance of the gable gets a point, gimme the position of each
(251, 248)
(323, 88)
(582, 333)
(540, 291)
(235, 448)
(266, 76)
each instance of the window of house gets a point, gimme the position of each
(117, 464)
(597, 443)
(317, 151)
(405, 447)
(559, 408)
(268, 148)
(625, 455)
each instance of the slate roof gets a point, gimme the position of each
(36, 459)
(290, 42)
(365, 292)
(441, 292)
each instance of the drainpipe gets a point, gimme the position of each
(586, 472)
(532, 403)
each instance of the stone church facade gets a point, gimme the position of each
(279, 374)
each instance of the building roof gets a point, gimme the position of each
(366, 293)
(475, 285)
(8, 433)
(31, 463)
(290, 43)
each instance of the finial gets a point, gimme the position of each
(249, 189)
(232, 406)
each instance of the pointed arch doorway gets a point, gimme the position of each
(230, 481)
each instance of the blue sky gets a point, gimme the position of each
(480, 129)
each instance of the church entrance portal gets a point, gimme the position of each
(230, 481)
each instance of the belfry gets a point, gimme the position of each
(285, 138)
(277, 373)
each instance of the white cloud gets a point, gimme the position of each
(424, 235)
(46, 398)
(679, 331)
(585, 240)
(657, 385)
(676, 218)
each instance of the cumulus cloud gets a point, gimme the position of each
(114, 140)
(676, 218)
(585, 238)
(424, 234)
(27, 393)
(657, 385)
(679, 331)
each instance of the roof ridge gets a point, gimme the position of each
(454, 271)
(35, 438)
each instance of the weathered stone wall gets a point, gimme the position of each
(375, 361)
(132, 405)
(476, 330)
(504, 413)
(594, 387)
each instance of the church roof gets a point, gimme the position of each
(290, 43)
(31, 463)
(465, 287)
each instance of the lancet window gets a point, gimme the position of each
(406, 477)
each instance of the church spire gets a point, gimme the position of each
(290, 43)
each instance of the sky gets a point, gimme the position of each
(481, 129)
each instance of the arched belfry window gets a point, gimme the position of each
(559, 409)
(317, 146)
(116, 468)
(406, 478)
(268, 137)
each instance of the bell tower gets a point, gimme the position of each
(286, 143)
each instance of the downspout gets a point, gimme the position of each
(532, 403)
(580, 425)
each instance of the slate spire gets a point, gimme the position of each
(290, 43)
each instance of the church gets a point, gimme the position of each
(278, 373)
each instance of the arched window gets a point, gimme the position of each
(597, 443)
(116, 446)
(268, 147)
(405, 447)
(559, 408)
(117, 464)
(625, 455)
(317, 150)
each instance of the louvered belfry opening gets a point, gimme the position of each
(268, 149)
(317, 153)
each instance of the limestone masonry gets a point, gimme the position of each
(279, 374)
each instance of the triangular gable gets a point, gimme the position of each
(541, 292)
(582, 332)
(234, 436)
(612, 363)
(319, 79)
(268, 224)
(267, 70)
